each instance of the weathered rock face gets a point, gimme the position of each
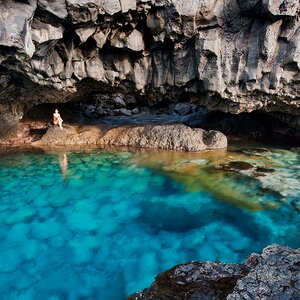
(169, 137)
(232, 55)
(194, 280)
(276, 272)
(71, 136)
(272, 275)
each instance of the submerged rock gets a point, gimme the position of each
(235, 166)
(255, 151)
(272, 275)
(265, 170)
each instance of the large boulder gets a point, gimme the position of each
(169, 137)
(70, 136)
(275, 274)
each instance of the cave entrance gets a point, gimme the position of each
(70, 112)
(255, 126)
(95, 109)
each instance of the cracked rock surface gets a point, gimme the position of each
(274, 274)
(229, 55)
(169, 137)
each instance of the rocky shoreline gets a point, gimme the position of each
(171, 129)
(168, 137)
(272, 275)
(116, 122)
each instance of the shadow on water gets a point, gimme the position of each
(163, 217)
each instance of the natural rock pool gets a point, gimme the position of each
(101, 224)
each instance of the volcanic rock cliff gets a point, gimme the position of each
(229, 55)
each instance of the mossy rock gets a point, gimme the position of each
(234, 166)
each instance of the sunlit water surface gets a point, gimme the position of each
(101, 225)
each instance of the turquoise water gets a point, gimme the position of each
(101, 225)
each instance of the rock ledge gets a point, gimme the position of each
(168, 137)
(274, 274)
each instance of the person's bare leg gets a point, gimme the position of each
(60, 124)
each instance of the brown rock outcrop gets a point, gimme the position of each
(169, 137)
(71, 136)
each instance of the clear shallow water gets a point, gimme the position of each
(101, 225)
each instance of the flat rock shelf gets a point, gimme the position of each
(168, 137)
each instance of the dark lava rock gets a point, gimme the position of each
(194, 280)
(255, 151)
(235, 166)
(275, 274)
(183, 108)
(259, 174)
(265, 170)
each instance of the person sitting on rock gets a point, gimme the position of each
(57, 120)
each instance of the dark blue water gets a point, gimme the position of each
(101, 225)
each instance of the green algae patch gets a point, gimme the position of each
(229, 176)
(218, 184)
